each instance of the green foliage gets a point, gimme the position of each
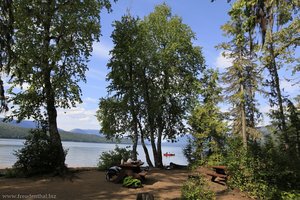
(37, 156)
(51, 42)
(244, 170)
(292, 195)
(60, 42)
(243, 77)
(113, 157)
(216, 158)
(13, 173)
(280, 24)
(189, 152)
(263, 171)
(208, 129)
(6, 31)
(195, 188)
(153, 78)
(293, 128)
(13, 132)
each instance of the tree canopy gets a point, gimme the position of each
(154, 78)
(45, 56)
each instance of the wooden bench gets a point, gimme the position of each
(214, 175)
(142, 176)
(219, 172)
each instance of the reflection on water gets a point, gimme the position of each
(81, 154)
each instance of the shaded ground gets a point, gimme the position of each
(91, 184)
(221, 190)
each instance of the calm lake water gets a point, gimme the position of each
(82, 154)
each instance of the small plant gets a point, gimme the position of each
(195, 188)
(113, 157)
(290, 195)
(37, 156)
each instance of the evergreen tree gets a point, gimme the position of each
(208, 129)
(242, 78)
(278, 51)
(293, 116)
(278, 25)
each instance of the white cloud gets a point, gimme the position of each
(79, 117)
(68, 119)
(222, 62)
(101, 50)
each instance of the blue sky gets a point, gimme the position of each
(204, 18)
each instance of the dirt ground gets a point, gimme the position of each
(91, 184)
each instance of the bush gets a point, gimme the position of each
(195, 188)
(292, 195)
(38, 156)
(246, 171)
(113, 157)
(13, 173)
(189, 151)
(263, 170)
(197, 156)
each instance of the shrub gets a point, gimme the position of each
(292, 195)
(189, 151)
(113, 157)
(263, 170)
(38, 156)
(13, 173)
(195, 188)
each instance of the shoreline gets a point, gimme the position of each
(109, 142)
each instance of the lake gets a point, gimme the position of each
(83, 154)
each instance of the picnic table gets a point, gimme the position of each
(131, 169)
(218, 172)
(135, 167)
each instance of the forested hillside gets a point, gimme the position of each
(14, 132)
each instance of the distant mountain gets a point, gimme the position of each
(23, 124)
(87, 131)
(181, 141)
(10, 130)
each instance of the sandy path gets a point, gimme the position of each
(163, 184)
